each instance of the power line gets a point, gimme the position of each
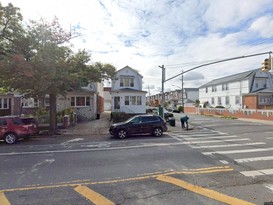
(215, 62)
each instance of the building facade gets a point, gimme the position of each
(126, 92)
(252, 89)
(86, 102)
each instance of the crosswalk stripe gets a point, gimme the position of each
(215, 141)
(93, 196)
(257, 172)
(254, 159)
(215, 137)
(228, 145)
(238, 151)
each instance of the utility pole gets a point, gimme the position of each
(162, 91)
(182, 91)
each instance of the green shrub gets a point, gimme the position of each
(119, 116)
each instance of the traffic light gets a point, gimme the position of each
(266, 64)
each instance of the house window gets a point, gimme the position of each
(227, 100)
(237, 100)
(126, 82)
(133, 100)
(212, 101)
(225, 86)
(46, 101)
(138, 100)
(206, 90)
(126, 102)
(4, 103)
(219, 101)
(30, 102)
(80, 101)
(214, 88)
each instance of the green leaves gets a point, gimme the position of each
(38, 58)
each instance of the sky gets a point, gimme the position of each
(179, 34)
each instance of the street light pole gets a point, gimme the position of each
(182, 92)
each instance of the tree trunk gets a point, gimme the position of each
(52, 114)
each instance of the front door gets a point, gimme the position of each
(116, 103)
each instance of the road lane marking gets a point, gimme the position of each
(214, 137)
(93, 196)
(256, 173)
(90, 182)
(3, 199)
(92, 149)
(238, 151)
(228, 145)
(203, 191)
(269, 186)
(254, 159)
(223, 161)
(213, 141)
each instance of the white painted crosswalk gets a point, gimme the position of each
(255, 153)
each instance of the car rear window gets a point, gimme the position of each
(28, 121)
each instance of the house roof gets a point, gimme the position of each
(262, 91)
(128, 67)
(232, 78)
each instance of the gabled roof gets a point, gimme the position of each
(128, 67)
(232, 78)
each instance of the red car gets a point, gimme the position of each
(13, 127)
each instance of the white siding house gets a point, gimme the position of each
(127, 95)
(229, 91)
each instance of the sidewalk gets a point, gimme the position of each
(98, 127)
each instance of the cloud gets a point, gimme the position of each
(263, 26)
(146, 34)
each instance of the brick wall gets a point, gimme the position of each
(244, 113)
(250, 101)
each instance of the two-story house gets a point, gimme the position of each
(251, 89)
(126, 92)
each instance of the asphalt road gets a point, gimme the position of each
(219, 161)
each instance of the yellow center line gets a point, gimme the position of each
(93, 196)
(203, 191)
(3, 199)
(89, 182)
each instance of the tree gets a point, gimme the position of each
(10, 21)
(45, 64)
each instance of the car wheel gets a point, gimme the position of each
(158, 132)
(10, 138)
(122, 134)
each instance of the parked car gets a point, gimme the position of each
(139, 124)
(167, 115)
(173, 109)
(13, 127)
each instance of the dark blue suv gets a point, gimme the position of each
(139, 124)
